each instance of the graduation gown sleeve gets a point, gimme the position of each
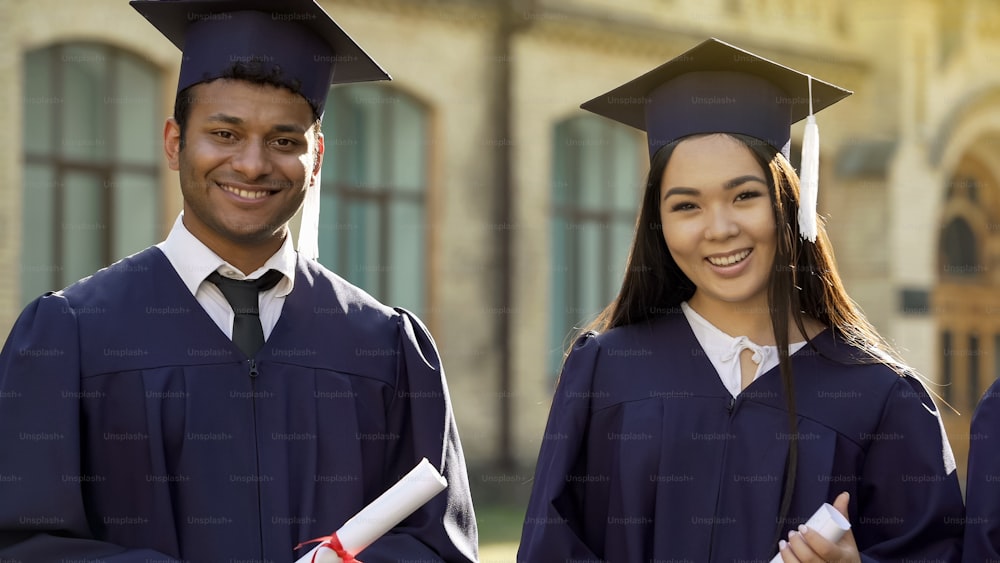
(554, 522)
(982, 525)
(43, 516)
(422, 425)
(910, 504)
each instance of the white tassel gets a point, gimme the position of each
(809, 177)
(309, 228)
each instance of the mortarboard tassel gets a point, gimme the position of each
(309, 227)
(809, 177)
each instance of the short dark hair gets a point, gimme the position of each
(250, 71)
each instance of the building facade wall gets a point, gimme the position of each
(924, 84)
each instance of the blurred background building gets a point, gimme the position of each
(472, 190)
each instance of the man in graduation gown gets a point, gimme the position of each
(151, 412)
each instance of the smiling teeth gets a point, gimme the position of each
(245, 193)
(729, 260)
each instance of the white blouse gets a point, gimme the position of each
(724, 350)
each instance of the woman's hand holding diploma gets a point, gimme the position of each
(825, 537)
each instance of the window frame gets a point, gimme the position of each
(104, 169)
(380, 196)
(570, 140)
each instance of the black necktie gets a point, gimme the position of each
(243, 298)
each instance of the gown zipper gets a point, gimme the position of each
(256, 448)
(730, 409)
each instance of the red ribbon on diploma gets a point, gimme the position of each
(332, 542)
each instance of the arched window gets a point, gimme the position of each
(91, 156)
(596, 187)
(958, 250)
(372, 227)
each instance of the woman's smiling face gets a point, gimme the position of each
(718, 220)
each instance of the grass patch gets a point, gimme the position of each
(499, 523)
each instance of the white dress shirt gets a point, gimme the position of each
(194, 261)
(724, 351)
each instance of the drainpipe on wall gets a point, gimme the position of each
(515, 17)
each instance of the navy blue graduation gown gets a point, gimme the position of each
(647, 457)
(982, 489)
(133, 430)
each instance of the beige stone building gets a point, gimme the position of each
(473, 190)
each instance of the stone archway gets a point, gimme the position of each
(966, 294)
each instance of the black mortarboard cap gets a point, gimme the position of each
(716, 88)
(293, 40)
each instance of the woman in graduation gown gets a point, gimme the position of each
(733, 387)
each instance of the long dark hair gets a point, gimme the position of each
(804, 283)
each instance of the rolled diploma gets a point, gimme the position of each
(420, 485)
(830, 524)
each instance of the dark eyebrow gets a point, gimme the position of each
(680, 191)
(289, 129)
(735, 182)
(742, 180)
(233, 120)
